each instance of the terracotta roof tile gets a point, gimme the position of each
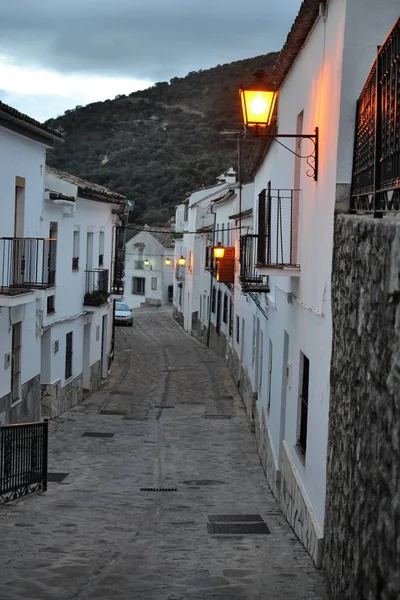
(87, 188)
(24, 119)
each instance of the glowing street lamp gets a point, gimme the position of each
(219, 251)
(168, 262)
(258, 101)
(146, 262)
(181, 261)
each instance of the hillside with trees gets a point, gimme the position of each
(157, 145)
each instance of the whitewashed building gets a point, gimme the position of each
(282, 325)
(149, 267)
(26, 262)
(76, 315)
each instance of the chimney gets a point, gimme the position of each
(230, 176)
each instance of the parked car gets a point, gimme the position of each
(122, 314)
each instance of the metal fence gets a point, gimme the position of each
(250, 278)
(96, 287)
(376, 163)
(26, 264)
(23, 459)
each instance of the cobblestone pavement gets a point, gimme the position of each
(96, 535)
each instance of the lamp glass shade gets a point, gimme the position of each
(167, 262)
(258, 103)
(181, 261)
(146, 263)
(219, 251)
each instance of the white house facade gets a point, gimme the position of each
(25, 262)
(149, 268)
(76, 316)
(280, 350)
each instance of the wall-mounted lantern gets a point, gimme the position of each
(146, 262)
(258, 103)
(219, 251)
(181, 261)
(167, 262)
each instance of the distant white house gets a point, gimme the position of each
(76, 314)
(149, 267)
(26, 261)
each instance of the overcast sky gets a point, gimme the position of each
(55, 54)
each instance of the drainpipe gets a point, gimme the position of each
(211, 283)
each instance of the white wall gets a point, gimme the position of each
(156, 254)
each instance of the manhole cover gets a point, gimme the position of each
(237, 528)
(118, 413)
(56, 477)
(158, 489)
(235, 518)
(97, 434)
(203, 482)
(219, 417)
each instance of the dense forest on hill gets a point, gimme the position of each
(158, 144)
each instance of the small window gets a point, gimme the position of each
(138, 286)
(154, 283)
(68, 355)
(101, 249)
(225, 312)
(303, 403)
(237, 328)
(213, 300)
(50, 305)
(75, 251)
(269, 375)
(186, 213)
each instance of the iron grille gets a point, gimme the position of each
(118, 277)
(210, 261)
(376, 163)
(26, 264)
(250, 278)
(23, 459)
(96, 287)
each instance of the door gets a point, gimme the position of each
(86, 357)
(104, 362)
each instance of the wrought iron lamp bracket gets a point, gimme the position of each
(311, 158)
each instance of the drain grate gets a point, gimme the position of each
(235, 518)
(238, 528)
(56, 477)
(97, 434)
(117, 413)
(219, 417)
(158, 489)
(203, 482)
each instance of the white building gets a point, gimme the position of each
(76, 314)
(283, 362)
(26, 262)
(149, 267)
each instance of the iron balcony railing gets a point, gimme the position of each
(250, 278)
(376, 162)
(23, 459)
(118, 273)
(26, 264)
(96, 287)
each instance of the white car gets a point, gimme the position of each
(122, 314)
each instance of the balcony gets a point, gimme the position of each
(251, 280)
(96, 287)
(26, 264)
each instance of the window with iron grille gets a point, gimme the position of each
(303, 403)
(213, 300)
(154, 283)
(16, 362)
(269, 375)
(138, 286)
(225, 312)
(75, 250)
(219, 301)
(50, 304)
(68, 355)
(237, 328)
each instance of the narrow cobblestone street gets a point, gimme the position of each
(175, 421)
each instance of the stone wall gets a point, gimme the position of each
(362, 522)
(26, 411)
(267, 455)
(56, 400)
(95, 377)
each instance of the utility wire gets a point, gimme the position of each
(183, 232)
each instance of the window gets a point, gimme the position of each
(68, 355)
(154, 283)
(269, 375)
(89, 251)
(213, 300)
(50, 305)
(219, 299)
(186, 213)
(16, 362)
(303, 403)
(225, 312)
(101, 249)
(139, 264)
(75, 250)
(237, 328)
(138, 286)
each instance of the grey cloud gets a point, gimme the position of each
(144, 39)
